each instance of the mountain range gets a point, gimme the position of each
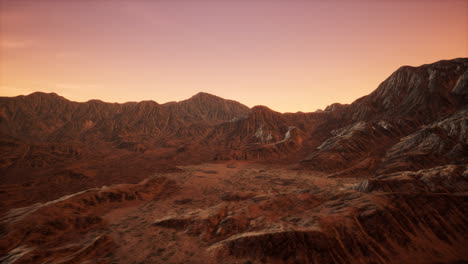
(403, 146)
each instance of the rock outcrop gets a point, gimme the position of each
(402, 109)
(33, 233)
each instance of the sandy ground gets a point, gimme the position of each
(200, 188)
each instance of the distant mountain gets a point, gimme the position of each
(49, 117)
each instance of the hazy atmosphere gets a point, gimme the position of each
(288, 55)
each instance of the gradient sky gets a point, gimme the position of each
(288, 55)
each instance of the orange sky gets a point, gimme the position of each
(288, 55)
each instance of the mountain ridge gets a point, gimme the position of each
(209, 180)
(407, 99)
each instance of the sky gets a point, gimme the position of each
(291, 56)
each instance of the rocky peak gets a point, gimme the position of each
(43, 95)
(425, 93)
(204, 96)
(207, 107)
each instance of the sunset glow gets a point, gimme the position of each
(288, 55)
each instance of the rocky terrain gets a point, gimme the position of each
(209, 180)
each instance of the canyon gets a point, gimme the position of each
(209, 180)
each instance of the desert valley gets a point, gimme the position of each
(209, 180)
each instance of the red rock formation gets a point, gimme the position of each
(408, 139)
